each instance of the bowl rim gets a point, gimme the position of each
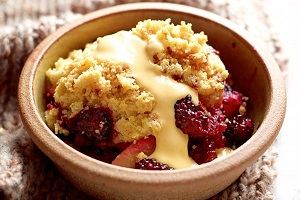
(267, 131)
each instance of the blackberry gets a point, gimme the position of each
(192, 120)
(204, 129)
(91, 126)
(201, 155)
(239, 130)
(151, 164)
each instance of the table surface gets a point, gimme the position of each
(285, 17)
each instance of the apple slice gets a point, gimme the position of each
(128, 157)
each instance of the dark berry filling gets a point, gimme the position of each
(151, 164)
(95, 125)
(214, 128)
(232, 100)
(196, 122)
(50, 99)
(239, 130)
(107, 154)
(92, 131)
(204, 129)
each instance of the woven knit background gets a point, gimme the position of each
(25, 173)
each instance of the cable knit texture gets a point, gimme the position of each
(25, 172)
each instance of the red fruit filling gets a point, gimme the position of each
(204, 129)
(129, 156)
(50, 98)
(232, 100)
(92, 132)
(239, 130)
(151, 164)
(196, 122)
(214, 128)
(93, 125)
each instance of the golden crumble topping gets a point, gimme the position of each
(185, 56)
(83, 81)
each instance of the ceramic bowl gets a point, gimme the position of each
(253, 69)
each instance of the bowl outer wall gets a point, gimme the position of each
(105, 180)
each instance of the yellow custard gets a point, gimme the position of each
(126, 47)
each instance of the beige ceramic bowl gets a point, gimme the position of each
(254, 71)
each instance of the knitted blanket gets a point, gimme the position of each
(25, 172)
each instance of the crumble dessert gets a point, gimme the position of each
(154, 97)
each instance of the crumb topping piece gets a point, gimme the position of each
(186, 57)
